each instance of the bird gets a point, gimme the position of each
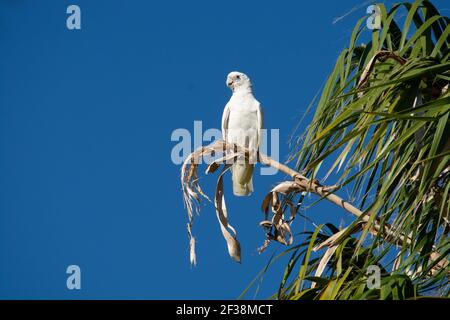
(242, 124)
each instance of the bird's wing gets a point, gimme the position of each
(225, 117)
(260, 116)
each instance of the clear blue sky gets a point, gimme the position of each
(86, 118)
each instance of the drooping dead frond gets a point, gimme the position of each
(192, 193)
(278, 228)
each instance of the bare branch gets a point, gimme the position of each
(278, 228)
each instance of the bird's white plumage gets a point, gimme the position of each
(242, 122)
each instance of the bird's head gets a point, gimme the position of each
(238, 81)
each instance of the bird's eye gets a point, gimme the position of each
(238, 77)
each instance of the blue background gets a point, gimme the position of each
(85, 124)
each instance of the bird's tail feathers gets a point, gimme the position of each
(242, 190)
(242, 179)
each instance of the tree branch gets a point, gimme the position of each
(192, 191)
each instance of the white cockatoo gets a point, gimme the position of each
(242, 121)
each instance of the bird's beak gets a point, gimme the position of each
(229, 82)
